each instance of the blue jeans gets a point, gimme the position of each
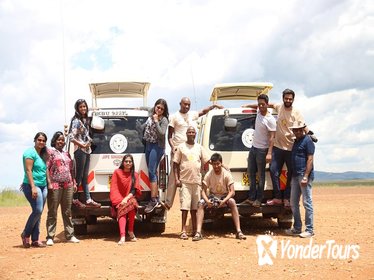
(306, 192)
(153, 154)
(82, 163)
(37, 205)
(279, 157)
(256, 163)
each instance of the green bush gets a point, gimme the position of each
(11, 198)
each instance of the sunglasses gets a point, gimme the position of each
(127, 161)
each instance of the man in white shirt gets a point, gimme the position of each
(179, 122)
(261, 150)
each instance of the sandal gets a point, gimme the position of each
(133, 237)
(197, 237)
(240, 236)
(183, 235)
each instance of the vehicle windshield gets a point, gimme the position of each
(128, 127)
(238, 139)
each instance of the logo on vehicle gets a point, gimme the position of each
(117, 162)
(118, 143)
(247, 137)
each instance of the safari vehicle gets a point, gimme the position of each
(229, 131)
(119, 136)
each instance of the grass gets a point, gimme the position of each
(12, 198)
(345, 183)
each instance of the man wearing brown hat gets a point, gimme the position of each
(301, 181)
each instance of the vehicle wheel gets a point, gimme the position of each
(91, 220)
(284, 224)
(208, 226)
(157, 228)
(80, 229)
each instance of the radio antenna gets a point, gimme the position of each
(63, 63)
(193, 87)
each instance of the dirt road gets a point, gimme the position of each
(344, 215)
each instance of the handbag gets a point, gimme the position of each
(97, 123)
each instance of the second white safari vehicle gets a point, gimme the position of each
(229, 131)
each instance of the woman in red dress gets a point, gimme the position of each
(123, 189)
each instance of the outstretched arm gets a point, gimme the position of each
(211, 107)
(253, 106)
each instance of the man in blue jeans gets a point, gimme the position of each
(283, 142)
(301, 181)
(261, 151)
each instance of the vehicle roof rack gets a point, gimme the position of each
(119, 89)
(239, 91)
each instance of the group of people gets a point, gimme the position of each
(51, 175)
(286, 140)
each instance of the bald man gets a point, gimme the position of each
(179, 122)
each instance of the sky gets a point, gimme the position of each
(324, 50)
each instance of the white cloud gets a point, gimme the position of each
(321, 49)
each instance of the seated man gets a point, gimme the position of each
(221, 193)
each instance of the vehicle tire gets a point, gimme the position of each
(157, 228)
(91, 220)
(80, 229)
(284, 224)
(209, 226)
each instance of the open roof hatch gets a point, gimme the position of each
(239, 91)
(119, 89)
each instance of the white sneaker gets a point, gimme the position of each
(49, 242)
(306, 234)
(73, 239)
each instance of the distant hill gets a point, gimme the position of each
(322, 176)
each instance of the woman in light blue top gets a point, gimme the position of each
(34, 187)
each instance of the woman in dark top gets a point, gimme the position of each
(80, 137)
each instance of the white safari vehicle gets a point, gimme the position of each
(229, 131)
(119, 136)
